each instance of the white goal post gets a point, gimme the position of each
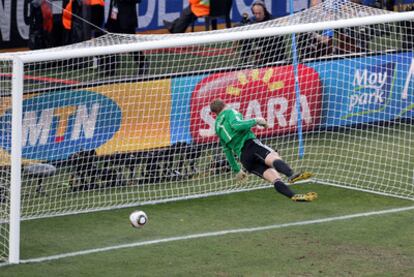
(124, 120)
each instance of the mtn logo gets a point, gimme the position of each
(58, 124)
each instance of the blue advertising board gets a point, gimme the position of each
(368, 89)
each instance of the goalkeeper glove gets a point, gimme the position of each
(261, 122)
(241, 177)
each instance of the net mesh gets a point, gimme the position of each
(125, 129)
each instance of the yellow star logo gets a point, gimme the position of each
(244, 79)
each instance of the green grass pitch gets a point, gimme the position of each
(376, 245)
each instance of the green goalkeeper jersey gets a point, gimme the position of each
(233, 132)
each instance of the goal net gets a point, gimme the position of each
(124, 120)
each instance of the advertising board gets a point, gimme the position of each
(58, 124)
(142, 115)
(367, 89)
(266, 92)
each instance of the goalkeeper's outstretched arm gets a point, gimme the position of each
(231, 159)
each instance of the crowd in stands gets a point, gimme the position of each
(84, 19)
(80, 20)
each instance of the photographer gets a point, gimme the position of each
(263, 50)
(406, 27)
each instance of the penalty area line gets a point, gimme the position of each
(214, 234)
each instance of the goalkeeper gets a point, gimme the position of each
(237, 138)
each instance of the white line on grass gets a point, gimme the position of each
(214, 234)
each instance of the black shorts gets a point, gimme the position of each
(253, 156)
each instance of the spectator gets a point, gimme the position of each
(88, 170)
(123, 19)
(389, 4)
(37, 173)
(123, 16)
(85, 170)
(82, 20)
(380, 4)
(41, 25)
(357, 39)
(197, 8)
(406, 28)
(260, 12)
(72, 21)
(315, 44)
(264, 50)
(58, 30)
(96, 15)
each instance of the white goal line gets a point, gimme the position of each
(214, 234)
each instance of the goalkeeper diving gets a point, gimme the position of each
(237, 138)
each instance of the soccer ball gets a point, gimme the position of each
(138, 219)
